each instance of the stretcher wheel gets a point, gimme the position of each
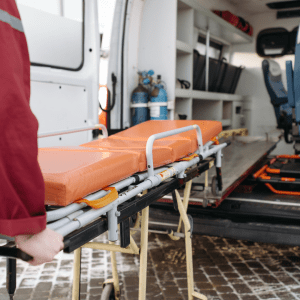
(108, 292)
(214, 186)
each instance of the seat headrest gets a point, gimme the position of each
(274, 67)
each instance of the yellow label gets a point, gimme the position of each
(211, 163)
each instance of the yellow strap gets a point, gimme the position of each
(98, 203)
(190, 157)
(215, 140)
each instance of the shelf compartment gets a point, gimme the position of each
(182, 93)
(229, 33)
(183, 48)
(184, 107)
(226, 122)
(184, 67)
(213, 38)
(227, 110)
(185, 23)
(207, 110)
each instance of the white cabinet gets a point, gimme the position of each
(167, 39)
(193, 19)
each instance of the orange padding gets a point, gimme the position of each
(71, 173)
(110, 197)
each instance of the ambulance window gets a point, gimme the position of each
(54, 32)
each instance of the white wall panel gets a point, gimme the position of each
(60, 107)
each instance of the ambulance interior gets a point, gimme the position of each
(162, 36)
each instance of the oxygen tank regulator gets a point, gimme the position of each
(149, 99)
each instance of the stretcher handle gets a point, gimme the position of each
(154, 137)
(10, 251)
(97, 126)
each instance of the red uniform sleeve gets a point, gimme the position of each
(22, 190)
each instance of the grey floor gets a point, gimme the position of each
(224, 269)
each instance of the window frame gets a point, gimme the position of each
(34, 64)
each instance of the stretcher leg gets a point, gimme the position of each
(131, 249)
(115, 274)
(185, 202)
(76, 275)
(188, 249)
(143, 254)
(205, 193)
(11, 273)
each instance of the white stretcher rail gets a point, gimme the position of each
(152, 181)
(111, 208)
(98, 126)
(68, 210)
(62, 212)
(207, 145)
(154, 137)
(65, 220)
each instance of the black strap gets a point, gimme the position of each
(109, 108)
(184, 83)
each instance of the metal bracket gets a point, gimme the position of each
(174, 201)
(191, 220)
(112, 217)
(125, 233)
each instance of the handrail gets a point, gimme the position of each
(97, 126)
(154, 137)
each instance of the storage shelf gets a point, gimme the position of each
(192, 21)
(202, 95)
(183, 48)
(230, 33)
(212, 37)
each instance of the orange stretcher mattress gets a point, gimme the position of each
(71, 173)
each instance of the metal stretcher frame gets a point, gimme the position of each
(79, 227)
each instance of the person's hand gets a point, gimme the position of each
(42, 246)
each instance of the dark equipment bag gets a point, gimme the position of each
(223, 77)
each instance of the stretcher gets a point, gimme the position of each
(281, 175)
(108, 185)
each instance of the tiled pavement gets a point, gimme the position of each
(224, 270)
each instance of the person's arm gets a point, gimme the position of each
(21, 181)
(22, 191)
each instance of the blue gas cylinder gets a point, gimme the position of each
(158, 102)
(139, 103)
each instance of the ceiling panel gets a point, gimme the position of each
(252, 6)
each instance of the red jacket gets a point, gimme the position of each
(22, 188)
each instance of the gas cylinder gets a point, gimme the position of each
(139, 104)
(158, 102)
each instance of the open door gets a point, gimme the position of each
(64, 48)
